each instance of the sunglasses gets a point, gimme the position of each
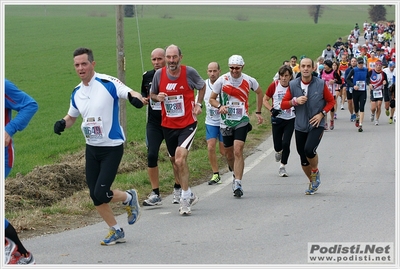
(234, 68)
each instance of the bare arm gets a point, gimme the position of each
(69, 121)
(259, 102)
(200, 97)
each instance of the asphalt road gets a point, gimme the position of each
(271, 224)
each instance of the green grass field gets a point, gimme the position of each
(39, 41)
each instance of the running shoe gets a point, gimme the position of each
(387, 112)
(152, 200)
(341, 107)
(193, 199)
(26, 259)
(282, 172)
(326, 126)
(377, 122)
(360, 129)
(332, 125)
(353, 117)
(10, 248)
(113, 237)
(185, 207)
(133, 207)
(335, 116)
(237, 189)
(14, 258)
(372, 117)
(215, 179)
(390, 121)
(177, 196)
(314, 184)
(357, 122)
(278, 156)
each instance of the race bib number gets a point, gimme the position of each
(361, 85)
(155, 105)
(174, 106)
(92, 128)
(236, 110)
(377, 93)
(212, 112)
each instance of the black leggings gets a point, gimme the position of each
(282, 135)
(359, 99)
(101, 168)
(154, 138)
(307, 144)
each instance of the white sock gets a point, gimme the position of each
(128, 198)
(117, 227)
(186, 194)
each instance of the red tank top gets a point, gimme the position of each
(177, 109)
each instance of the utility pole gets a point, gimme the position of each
(121, 63)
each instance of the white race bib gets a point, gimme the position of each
(174, 106)
(212, 112)
(92, 128)
(236, 110)
(361, 85)
(377, 93)
(155, 105)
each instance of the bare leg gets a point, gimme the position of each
(153, 176)
(239, 159)
(230, 157)
(106, 213)
(182, 167)
(212, 156)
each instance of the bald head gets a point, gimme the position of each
(213, 71)
(213, 65)
(173, 49)
(173, 58)
(158, 58)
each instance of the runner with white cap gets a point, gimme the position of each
(234, 89)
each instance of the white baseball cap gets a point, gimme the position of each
(236, 59)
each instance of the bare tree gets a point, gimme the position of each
(377, 13)
(315, 12)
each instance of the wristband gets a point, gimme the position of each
(219, 106)
(294, 101)
(258, 112)
(200, 105)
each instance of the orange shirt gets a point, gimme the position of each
(371, 63)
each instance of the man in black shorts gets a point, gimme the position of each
(154, 133)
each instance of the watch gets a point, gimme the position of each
(323, 113)
(219, 106)
(200, 104)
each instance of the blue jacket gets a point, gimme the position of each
(356, 74)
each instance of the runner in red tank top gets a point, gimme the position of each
(174, 86)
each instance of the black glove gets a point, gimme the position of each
(59, 126)
(135, 101)
(275, 112)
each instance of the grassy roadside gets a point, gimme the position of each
(76, 210)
